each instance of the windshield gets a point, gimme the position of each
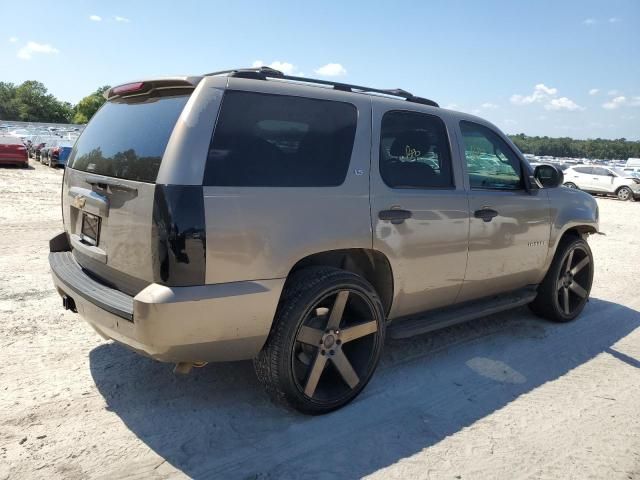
(127, 140)
(622, 173)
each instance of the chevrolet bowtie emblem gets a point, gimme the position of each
(79, 201)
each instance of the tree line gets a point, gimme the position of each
(31, 102)
(618, 149)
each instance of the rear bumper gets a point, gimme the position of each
(14, 160)
(221, 322)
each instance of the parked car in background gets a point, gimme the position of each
(603, 180)
(56, 153)
(13, 151)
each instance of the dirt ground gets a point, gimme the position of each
(508, 396)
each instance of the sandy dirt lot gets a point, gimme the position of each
(508, 396)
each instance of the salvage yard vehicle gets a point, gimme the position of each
(13, 151)
(603, 180)
(248, 214)
(56, 153)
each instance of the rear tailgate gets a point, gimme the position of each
(109, 188)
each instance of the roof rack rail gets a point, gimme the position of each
(262, 73)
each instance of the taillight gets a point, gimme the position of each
(55, 150)
(127, 88)
(637, 180)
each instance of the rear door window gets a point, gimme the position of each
(414, 151)
(128, 139)
(264, 140)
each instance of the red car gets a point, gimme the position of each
(13, 152)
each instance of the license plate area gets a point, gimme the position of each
(90, 232)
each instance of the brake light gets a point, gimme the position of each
(127, 88)
(55, 150)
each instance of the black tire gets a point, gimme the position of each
(565, 289)
(571, 185)
(624, 194)
(289, 362)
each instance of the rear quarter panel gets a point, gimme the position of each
(261, 232)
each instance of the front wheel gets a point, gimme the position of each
(571, 185)
(624, 193)
(565, 289)
(325, 342)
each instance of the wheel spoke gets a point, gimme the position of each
(578, 290)
(565, 298)
(337, 310)
(346, 370)
(310, 336)
(314, 374)
(580, 265)
(358, 331)
(569, 260)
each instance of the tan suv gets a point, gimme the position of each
(248, 214)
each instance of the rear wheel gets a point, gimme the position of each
(571, 185)
(325, 342)
(565, 289)
(624, 193)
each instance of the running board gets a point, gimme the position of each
(436, 319)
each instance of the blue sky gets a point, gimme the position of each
(557, 68)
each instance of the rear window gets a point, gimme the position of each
(264, 140)
(127, 140)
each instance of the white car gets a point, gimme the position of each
(603, 180)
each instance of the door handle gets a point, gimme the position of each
(486, 214)
(394, 215)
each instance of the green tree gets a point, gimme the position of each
(8, 109)
(89, 105)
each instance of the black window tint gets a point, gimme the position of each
(265, 140)
(491, 164)
(600, 171)
(127, 140)
(586, 170)
(414, 151)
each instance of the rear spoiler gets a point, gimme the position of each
(148, 87)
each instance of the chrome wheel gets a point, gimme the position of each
(624, 193)
(574, 280)
(336, 346)
(570, 185)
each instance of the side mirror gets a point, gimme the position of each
(549, 176)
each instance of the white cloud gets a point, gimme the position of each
(540, 92)
(562, 103)
(284, 67)
(452, 106)
(30, 48)
(621, 101)
(589, 21)
(489, 106)
(593, 91)
(331, 70)
(615, 103)
(121, 19)
(13, 39)
(95, 18)
(614, 20)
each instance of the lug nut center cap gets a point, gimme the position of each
(329, 341)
